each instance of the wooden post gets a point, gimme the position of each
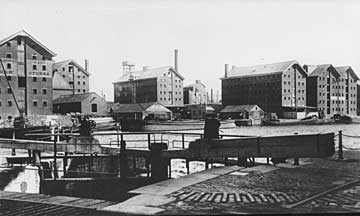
(267, 161)
(13, 152)
(206, 164)
(149, 140)
(183, 140)
(340, 154)
(159, 169)
(55, 152)
(187, 166)
(169, 164)
(296, 160)
(117, 136)
(65, 163)
(124, 166)
(30, 155)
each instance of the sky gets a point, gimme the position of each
(208, 34)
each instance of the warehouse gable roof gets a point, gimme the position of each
(61, 64)
(149, 73)
(347, 69)
(31, 41)
(263, 69)
(320, 69)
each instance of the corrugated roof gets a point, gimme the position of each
(278, 67)
(73, 98)
(23, 33)
(149, 73)
(319, 69)
(238, 108)
(61, 64)
(343, 69)
(59, 82)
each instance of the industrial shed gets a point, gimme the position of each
(251, 112)
(144, 111)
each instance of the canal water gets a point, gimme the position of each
(26, 179)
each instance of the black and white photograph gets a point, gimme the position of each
(187, 107)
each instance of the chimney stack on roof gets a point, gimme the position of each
(176, 60)
(86, 65)
(306, 68)
(226, 70)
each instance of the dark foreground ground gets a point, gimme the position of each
(289, 189)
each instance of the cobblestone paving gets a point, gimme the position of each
(271, 192)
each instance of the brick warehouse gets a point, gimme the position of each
(332, 89)
(28, 64)
(163, 85)
(75, 77)
(273, 87)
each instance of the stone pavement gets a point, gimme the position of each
(269, 189)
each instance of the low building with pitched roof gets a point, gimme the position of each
(89, 103)
(273, 87)
(142, 111)
(252, 112)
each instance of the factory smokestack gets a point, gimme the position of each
(226, 70)
(86, 65)
(176, 60)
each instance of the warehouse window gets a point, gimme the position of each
(9, 90)
(34, 67)
(44, 79)
(34, 91)
(44, 92)
(44, 67)
(8, 65)
(34, 56)
(35, 103)
(93, 107)
(8, 55)
(45, 103)
(34, 79)
(9, 103)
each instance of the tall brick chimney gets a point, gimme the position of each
(226, 70)
(176, 60)
(86, 65)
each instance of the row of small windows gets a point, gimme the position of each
(288, 98)
(299, 91)
(176, 99)
(79, 90)
(161, 92)
(302, 83)
(34, 66)
(289, 76)
(35, 103)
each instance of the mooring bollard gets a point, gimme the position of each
(340, 154)
(159, 164)
(124, 166)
